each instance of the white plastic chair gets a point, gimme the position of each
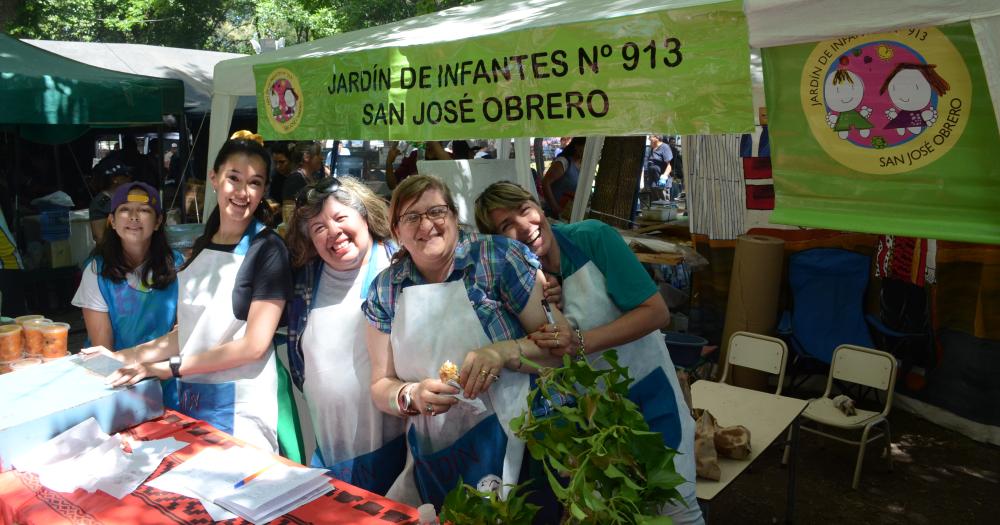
(758, 352)
(863, 366)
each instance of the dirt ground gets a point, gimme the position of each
(938, 476)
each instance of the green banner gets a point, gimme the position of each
(885, 133)
(682, 71)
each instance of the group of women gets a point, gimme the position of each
(378, 298)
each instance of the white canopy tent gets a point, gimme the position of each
(193, 67)
(771, 23)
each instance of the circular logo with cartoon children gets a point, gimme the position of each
(283, 97)
(886, 103)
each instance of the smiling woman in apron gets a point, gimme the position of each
(457, 296)
(611, 302)
(133, 270)
(231, 294)
(340, 240)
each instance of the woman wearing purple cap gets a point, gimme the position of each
(128, 292)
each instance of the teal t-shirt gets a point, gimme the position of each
(628, 283)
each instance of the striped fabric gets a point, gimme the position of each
(716, 194)
(498, 274)
(10, 259)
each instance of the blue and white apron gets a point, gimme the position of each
(355, 441)
(241, 401)
(655, 389)
(434, 323)
(140, 315)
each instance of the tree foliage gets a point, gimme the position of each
(177, 23)
(222, 25)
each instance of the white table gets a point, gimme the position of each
(766, 415)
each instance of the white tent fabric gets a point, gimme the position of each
(195, 68)
(771, 23)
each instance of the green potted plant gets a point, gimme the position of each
(465, 505)
(601, 460)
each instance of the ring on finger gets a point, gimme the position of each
(494, 377)
(484, 372)
(429, 408)
(555, 335)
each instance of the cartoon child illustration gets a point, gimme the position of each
(909, 86)
(843, 92)
(274, 99)
(283, 100)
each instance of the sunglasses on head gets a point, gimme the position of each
(323, 187)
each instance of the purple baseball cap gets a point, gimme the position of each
(122, 196)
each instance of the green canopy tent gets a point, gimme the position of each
(47, 98)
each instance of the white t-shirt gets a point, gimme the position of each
(89, 296)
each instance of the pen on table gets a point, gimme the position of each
(548, 312)
(251, 477)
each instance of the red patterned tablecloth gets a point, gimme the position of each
(24, 501)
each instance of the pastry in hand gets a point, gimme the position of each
(448, 372)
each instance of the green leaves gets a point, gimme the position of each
(600, 458)
(467, 506)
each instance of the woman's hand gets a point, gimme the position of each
(558, 339)
(481, 368)
(553, 291)
(132, 374)
(100, 350)
(432, 397)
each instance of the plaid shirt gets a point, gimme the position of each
(498, 274)
(297, 309)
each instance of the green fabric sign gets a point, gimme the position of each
(674, 71)
(885, 133)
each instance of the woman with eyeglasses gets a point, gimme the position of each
(133, 271)
(458, 296)
(231, 293)
(339, 242)
(611, 302)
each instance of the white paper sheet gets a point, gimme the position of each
(210, 473)
(134, 468)
(71, 443)
(211, 476)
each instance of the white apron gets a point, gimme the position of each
(655, 388)
(434, 323)
(356, 441)
(241, 401)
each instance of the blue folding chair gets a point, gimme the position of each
(828, 290)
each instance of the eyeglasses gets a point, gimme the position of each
(323, 187)
(435, 214)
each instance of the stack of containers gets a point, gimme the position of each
(31, 340)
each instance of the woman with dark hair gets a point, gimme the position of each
(559, 182)
(231, 293)
(128, 291)
(340, 240)
(307, 157)
(611, 303)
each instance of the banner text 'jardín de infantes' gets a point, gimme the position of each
(677, 71)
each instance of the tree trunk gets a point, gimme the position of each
(539, 157)
(617, 180)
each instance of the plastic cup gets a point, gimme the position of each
(25, 318)
(34, 342)
(24, 363)
(54, 340)
(11, 342)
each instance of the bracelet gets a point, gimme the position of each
(581, 351)
(407, 391)
(394, 399)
